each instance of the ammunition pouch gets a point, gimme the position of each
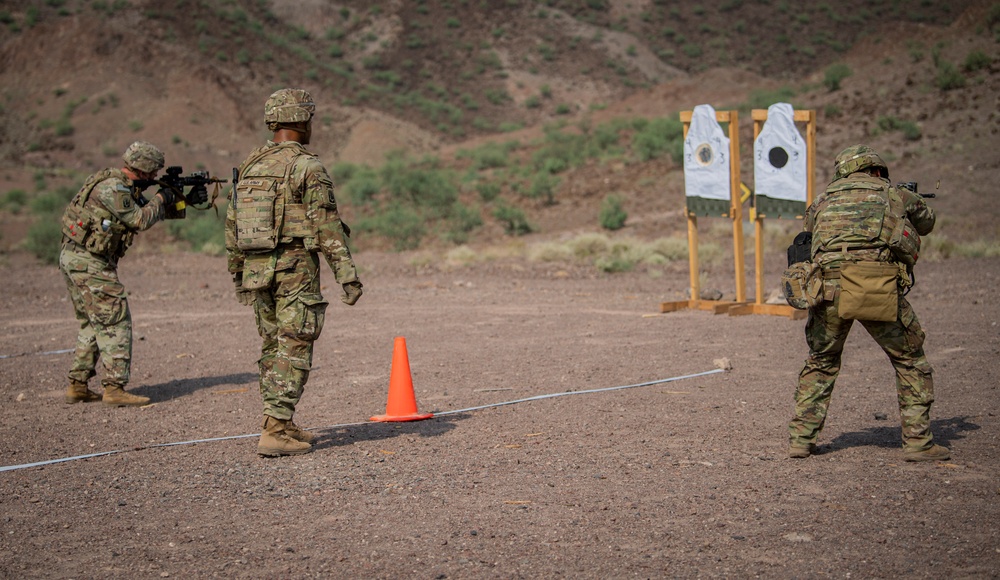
(904, 241)
(869, 291)
(802, 285)
(107, 238)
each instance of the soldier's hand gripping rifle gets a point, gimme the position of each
(175, 183)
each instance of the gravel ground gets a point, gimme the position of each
(687, 478)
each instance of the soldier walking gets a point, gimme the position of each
(282, 216)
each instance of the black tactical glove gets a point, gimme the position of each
(166, 194)
(352, 291)
(197, 195)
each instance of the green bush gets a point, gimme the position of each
(464, 220)
(488, 191)
(203, 230)
(14, 200)
(44, 238)
(834, 74)
(400, 224)
(424, 186)
(976, 60)
(658, 137)
(949, 77)
(613, 215)
(515, 223)
(543, 186)
(910, 130)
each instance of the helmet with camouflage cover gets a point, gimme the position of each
(857, 158)
(289, 106)
(143, 156)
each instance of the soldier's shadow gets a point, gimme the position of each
(180, 387)
(945, 431)
(377, 431)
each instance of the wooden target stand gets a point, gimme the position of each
(759, 211)
(735, 213)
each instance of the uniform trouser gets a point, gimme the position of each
(101, 308)
(902, 340)
(290, 315)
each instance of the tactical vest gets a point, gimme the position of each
(92, 226)
(268, 210)
(862, 214)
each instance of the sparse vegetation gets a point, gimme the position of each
(834, 75)
(613, 214)
(448, 75)
(910, 130)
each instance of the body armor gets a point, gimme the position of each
(268, 210)
(91, 225)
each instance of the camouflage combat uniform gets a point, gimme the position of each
(98, 228)
(285, 280)
(846, 222)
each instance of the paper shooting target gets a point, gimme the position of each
(706, 157)
(780, 157)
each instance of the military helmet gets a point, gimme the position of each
(857, 158)
(289, 106)
(144, 157)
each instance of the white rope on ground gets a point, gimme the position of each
(65, 350)
(343, 425)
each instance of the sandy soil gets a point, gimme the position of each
(679, 479)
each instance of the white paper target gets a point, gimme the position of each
(779, 167)
(706, 156)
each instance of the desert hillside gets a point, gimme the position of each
(438, 79)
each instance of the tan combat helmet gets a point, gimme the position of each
(289, 106)
(143, 156)
(857, 158)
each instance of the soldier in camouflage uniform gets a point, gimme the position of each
(282, 216)
(848, 224)
(98, 227)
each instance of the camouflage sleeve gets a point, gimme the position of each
(117, 198)
(234, 257)
(321, 209)
(809, 222)
(920, 214)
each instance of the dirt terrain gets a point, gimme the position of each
(687, 478)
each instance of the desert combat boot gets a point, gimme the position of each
(77, 392)
(932, 453)
(297, 433)
(116, 396)
(275, 439)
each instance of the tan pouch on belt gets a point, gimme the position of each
(868, 291)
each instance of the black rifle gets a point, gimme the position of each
(912, 186)
(175, 182)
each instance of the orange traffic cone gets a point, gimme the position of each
(402, 405)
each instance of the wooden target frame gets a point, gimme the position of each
(735, 213)
(757, 216)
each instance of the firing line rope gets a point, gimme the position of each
(343, 425)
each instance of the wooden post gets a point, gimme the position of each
(735, 214)
(758, 307)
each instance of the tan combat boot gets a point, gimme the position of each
(116, 396)
(275, 440)
(77, 392)
(932, 453)
(299, 434)
(798, 452)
